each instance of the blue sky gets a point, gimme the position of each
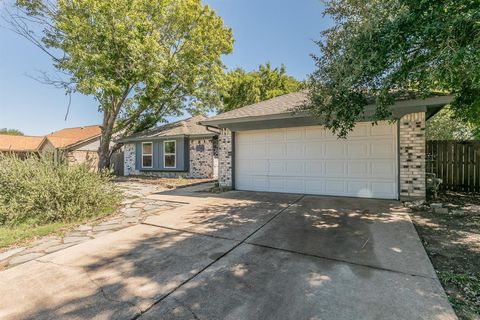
(275, 31)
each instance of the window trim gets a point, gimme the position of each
(147, 154)
(174, 154)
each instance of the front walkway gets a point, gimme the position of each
(239, 255)
(134, 210)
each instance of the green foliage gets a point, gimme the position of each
(34, 191)
(142, 60)
(445, 126)
(243, 88)
(378, 49)
(13, 132)
(465, 299)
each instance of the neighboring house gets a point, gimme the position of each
(21, 145)
(267, 147)
(183, 148)
(75, 145)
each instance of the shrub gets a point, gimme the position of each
(35, 191)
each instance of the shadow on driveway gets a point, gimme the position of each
(239, 256)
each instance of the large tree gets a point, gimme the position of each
(378, 49)
(243, 88)
(140, 59)
(445, 126)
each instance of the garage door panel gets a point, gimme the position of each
(335, 168)
(276, 135)
(295, 168)
(357, 149)
(315, 168)
(277, 151)
(334, 187)
(313, 160)
(382, 149)
(383, 169)
(314, 150)
(358, 169)
(315, 186)
(335, 149)
(359, 189)
(277, 167)
(382, 129)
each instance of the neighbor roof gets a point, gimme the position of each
(70, 136)
(287, 106)
(188, 127)
(20, 143)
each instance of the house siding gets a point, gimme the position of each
(158, 164)
(412, 156)
(195, 159)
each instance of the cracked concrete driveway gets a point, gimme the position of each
(239, 255)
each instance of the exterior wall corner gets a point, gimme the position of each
(412, 151)
(225, 161)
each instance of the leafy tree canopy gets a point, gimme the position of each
(243, 88)
(13, 132)
(140, 59)
(445, 126)
(379, 48)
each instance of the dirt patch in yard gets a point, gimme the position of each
(452, 241)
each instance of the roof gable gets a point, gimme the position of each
(70, 136)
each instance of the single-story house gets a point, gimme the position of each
(21, 145)
(267, 147)
(179, 149)
(75, 145)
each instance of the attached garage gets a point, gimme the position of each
(312, 160)
(269, 147)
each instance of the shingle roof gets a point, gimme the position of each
(69, 136)
(187, 127)
(281, 104)
(20, 143)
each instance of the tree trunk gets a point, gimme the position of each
(105, 139)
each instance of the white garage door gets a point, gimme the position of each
(312, 160)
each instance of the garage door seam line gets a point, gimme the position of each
(214, 261)
(339, 260)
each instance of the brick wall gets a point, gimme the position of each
(412, 156)
(225, 159)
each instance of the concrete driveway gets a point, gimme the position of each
(239, 255)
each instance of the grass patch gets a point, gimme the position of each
(21, 233)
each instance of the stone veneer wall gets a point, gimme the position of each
(225, 159)
(412, 156)
(129, 159)
(201, 158)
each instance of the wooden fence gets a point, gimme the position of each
(457, 163)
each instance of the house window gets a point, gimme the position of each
(169, 158)
(147, 155)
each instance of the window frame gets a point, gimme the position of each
(174, 154)
(147, 154)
